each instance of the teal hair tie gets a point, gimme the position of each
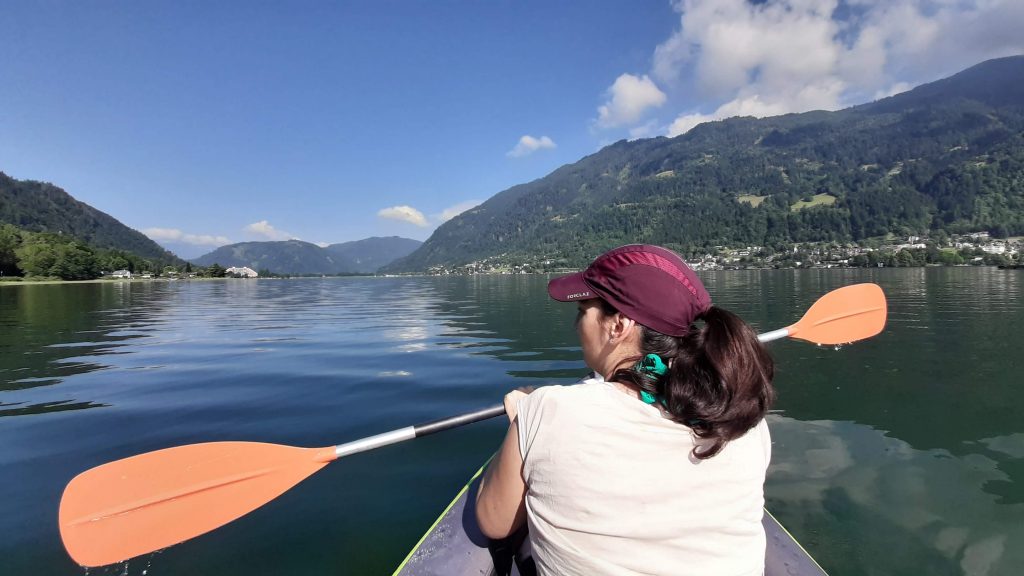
(652, 367)
(649, 398)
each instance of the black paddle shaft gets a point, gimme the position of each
(460, 420)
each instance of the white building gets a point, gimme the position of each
(902, 247)
(243, 271)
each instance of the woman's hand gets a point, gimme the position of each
(512, 401)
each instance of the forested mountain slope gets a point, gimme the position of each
(948, 155)
(42, 207)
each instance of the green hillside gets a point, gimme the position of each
(45, 256)
(42, 207)
(945, 156)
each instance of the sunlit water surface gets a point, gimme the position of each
(900, 455)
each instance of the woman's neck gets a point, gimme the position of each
(622, 358)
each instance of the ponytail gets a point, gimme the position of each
(719, 381)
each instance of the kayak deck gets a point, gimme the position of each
(454, 546)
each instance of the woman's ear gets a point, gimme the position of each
(620, 328)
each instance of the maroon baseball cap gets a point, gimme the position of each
(649, 284)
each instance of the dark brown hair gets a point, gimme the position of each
(719, 381)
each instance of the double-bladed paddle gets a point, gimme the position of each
(154, 500)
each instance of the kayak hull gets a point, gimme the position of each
(454, 546)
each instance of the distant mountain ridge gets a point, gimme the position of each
(947, 156)
(297, 257)
(43, 207)
(370, 254)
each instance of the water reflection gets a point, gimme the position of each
(59, 406)
(510, 318)
(949, 355)
(52, 332)
(1011, 445)
(1008, 454)
(840, 477)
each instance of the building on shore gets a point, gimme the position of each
(241, 271)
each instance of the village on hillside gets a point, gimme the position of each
(974, 249)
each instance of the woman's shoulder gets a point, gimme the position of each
(558, 393)
(555, 415)
(565, 401)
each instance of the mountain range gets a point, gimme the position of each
(42, 207)
(297, 257)
(947, 156)
(944, 157)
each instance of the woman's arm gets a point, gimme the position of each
(500, 501)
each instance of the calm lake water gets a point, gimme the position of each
(899, 455)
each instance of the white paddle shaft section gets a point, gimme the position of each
(362, 445)
(773, 335)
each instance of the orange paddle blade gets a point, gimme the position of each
(845, 315)
(151, 501)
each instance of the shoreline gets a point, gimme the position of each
(30, 282)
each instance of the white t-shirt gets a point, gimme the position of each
(612, 488)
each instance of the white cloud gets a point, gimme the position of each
(528, 145)
(892, 90)
(205, 240)
(323, 244)
(685, 122)
(453, 211)
(644, 130)
(783, 56)
(175, 235)
(404, 214)
(266, 230)
(628, 99)
(168, 234)
(670, 56)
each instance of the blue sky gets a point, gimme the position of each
(204, 123)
